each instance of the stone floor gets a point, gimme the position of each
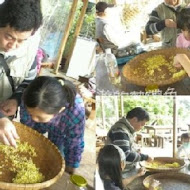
(87, 167)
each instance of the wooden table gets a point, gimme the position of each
(157, 128)
(104, 87)
(160, 133)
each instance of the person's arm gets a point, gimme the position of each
(30, 77)
(155, 24)
(141, 172)
(10, 106)
(184, 61)
(74, 136)
(8, 134)
(120, 138)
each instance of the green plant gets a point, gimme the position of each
(87, 30)
(72, 30)
(160, 108)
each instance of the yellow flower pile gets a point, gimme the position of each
(179, 74)
(157, 68)
(159, 165)
(19, 161)
(155, 188)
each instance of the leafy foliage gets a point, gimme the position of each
(87, 30)
(88, 27)
(56, 13)
(160, 108)
(183, 110)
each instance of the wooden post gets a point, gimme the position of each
(122, 106)
(76, 34)
(116, 107)
(175, 107)
(66, 34)
(103, 110)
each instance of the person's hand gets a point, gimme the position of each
(170, 23)
(9, 107)
(184, 61)
(150, 159)
(139, 150)
(70, 170)
(8, 134)
(176, 62)
(141, 172)
(154, 184)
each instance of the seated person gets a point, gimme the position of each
(122, 134)
(163, 19)
(183, 22)
(112, 35)
(183, 151)
(111, 162)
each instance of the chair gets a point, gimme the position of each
(144, 138)
(161, 138)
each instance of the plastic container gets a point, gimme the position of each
(76, 182)
(112, 68)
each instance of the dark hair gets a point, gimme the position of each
(109, 163)
(183, 19)
(185, 136)
(22, 15)
(139, 113)
(101, 6)
(48, 94)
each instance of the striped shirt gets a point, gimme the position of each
(155, 23)
(66, 129)
(122, 134)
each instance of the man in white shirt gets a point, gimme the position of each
(19, 21)
(112, 35)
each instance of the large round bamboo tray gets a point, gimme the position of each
(169, 181)
(160, 77)
(48, 159)
(164, 160)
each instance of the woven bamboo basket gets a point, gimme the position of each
(169, 181)
(48, 159)
(142, 80)
(164, 160)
